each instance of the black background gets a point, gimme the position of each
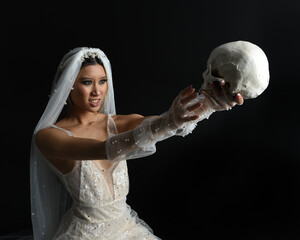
(236, 176)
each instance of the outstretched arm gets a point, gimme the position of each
(56, 144)
(140, 141)
(141, 133)
(187, 109)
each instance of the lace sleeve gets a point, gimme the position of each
(141, 141)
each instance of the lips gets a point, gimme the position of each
(94, 102)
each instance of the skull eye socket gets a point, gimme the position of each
(215, 73)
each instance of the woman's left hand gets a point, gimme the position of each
(220, 98)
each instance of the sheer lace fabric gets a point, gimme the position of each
(49, 198)
(99, 209)
(141, 141)
(99, 197)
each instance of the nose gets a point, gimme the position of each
(96, 90)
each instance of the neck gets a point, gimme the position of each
(82, 117)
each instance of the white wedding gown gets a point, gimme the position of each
(99, 209)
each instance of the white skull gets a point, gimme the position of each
(243, 64)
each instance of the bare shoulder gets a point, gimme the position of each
(43, 134)
(48, 135)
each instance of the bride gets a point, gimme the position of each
(79, 179)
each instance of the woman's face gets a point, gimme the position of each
(90, 88)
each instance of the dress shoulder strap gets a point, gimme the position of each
(66, 131)
(111, 126)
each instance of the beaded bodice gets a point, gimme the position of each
(99, 209)
(97, 193)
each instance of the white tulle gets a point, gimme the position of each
(99, 209)
(141, 141)
(49, 198)
(98, 197)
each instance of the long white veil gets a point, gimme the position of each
(49, 198)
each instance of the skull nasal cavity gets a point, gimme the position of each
(215, 73)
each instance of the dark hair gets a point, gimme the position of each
(67, 107)
(91, 61)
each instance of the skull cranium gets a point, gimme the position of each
(243, 64)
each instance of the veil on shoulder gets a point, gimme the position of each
(49, 198)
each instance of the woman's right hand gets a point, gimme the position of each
(220, 97)
(179, 113)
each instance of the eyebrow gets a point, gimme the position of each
(88, 78)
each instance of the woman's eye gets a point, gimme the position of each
(102, 81)
(87, 82)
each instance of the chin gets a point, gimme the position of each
(94, 110)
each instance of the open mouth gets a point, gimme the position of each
(94, 102)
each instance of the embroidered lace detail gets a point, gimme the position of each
(92, 52)
(99, 209)
(96, 213)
